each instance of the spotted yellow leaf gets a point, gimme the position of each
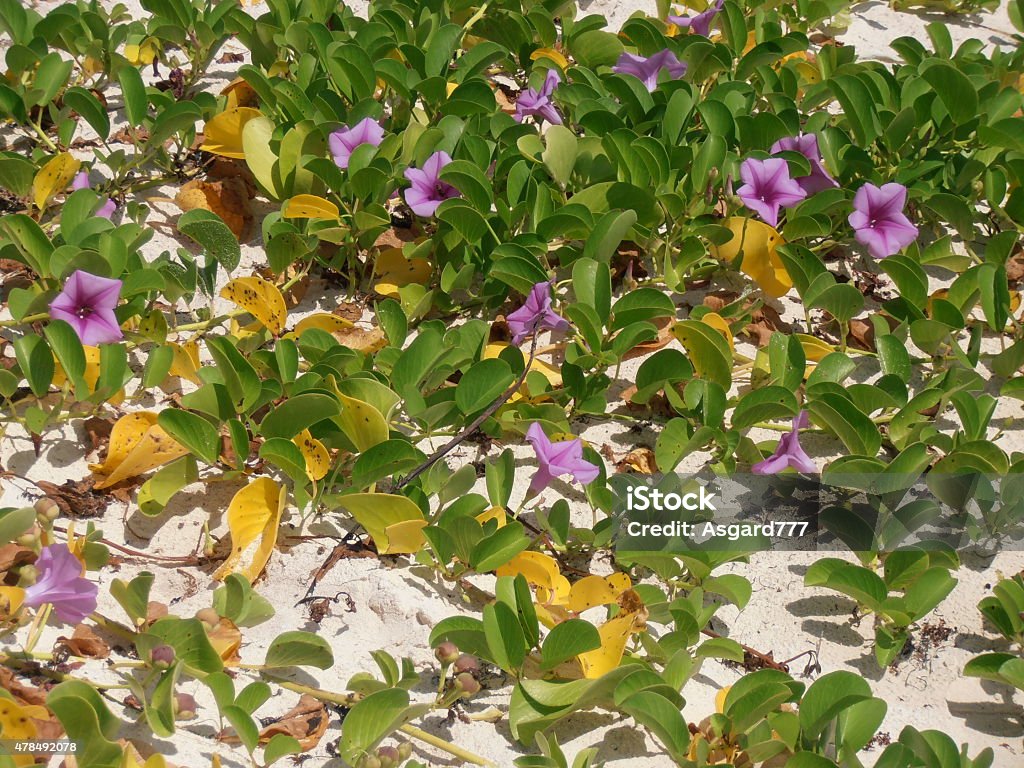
(222, 135)
(553, 55)
(323, 321)
(137, 445)
(720, 324)
(185, 362)
(254, 516)
(260, 298)
(318, 461)
(394, 271)
(591, 591)
(614, 633)
(758, 242)
(54, 177)
(310, 207)
(381, 513)
(363, 424)
(18, 721)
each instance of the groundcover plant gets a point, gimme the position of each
(347, 305)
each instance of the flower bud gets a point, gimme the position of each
(466, 663)
(28, 540)
(184, 706)
(388, 756)
(29, 574)
(405, 750)
(208, 616)
(466, 683)
(447, 652)
(369, 761)
(162, 656)
(46, 510)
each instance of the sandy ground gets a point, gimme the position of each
(395, 605)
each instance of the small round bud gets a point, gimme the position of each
(28, 540)
(29, 574)
(466, 663)
(447, 652)
(405, 750)
(184, 706)
(388, 756)
(466, 683)
(46, 510)
(162, 656)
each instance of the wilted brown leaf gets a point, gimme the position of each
(306, 721)
(13, 555)
(98, 429)
(230, 58)
(84, 642)
(226, 639)
(862, 335)
(23, 694)
(638, 461)
(227, 198)
(363, 340)
(76, 498)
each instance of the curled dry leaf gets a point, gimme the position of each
(366, 340)
(76, 498)
(639, 460)
(228, 198)
(84, 642)
(13, 555)
(23, 694)
(306, 722)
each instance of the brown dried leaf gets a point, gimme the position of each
(230, 58)
(98, 429)
(862, 335)
(638, 461)
(23, 694)
(306, 721)
(76, 498)
(13, 555)
(349, 310)
(84, 642)
(230, 168)
(124, 135)
(228, 198)
(1015, 267)
(155, 610)
(363, 340)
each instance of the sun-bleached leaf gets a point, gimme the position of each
(54, 177)
(720, 324)
(137, 445)
(222, 135)
(363, 424)
(260, 298)
(591, 591)
(323, 321)
(393, 271)
(185, 362)
(253, 517)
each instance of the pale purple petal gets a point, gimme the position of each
(535, 313)
(106, 210)
(647, 69)
(428, 191)
(788, 453)
(556, 459)
(699, 24)
(60, 583)
(87, 304)
(768, 187)
(81, 181)
(878, 219)
(344, 142)
(806, 144)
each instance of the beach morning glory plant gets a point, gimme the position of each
(878, 220)
(647, 69)
(427, 190)
(700, 23)
(806, 144)
(87, 304)
(768, 187)
(788, 453)
(538, 103)
(557, 459)
(536, 313)
(61, 584)
(344, 142)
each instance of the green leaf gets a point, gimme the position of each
(209, 230)
(595, 48)
(68, 348)
(482, 384)
(89, 107)
(280, 745)
(36, 363)
(370, 720)
(156, 492)
(299, 649)
(30, 240)
(133, 90)
(238, 601)
(955, 91)
(498, 548)
(559, 155)
(707, 350)
(192, 431)
(766, 404)
(133, 596)
(392, 458)
(829, 695)
(505, 636)
(188, 639)
(298, 413)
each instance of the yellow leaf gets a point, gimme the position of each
(553, 55)
(54, 177)
(614, 635)
(719, 323)
(814, 348)
(405, 537)
(222, 135)
(142, 53)
(310, 207)
(363, 424)
(758, 242)
(260, 298)
(240, 94)
(380, 512)
(185, 363)
(254, 516)
(720, 699)
(323, 321)
(494, 513)
(593, 590)
(318, 461)
(11, 599)
(137, 445)
(395, 271)
(18, 721)
(226, 639)
(541, 571)
(91, 374)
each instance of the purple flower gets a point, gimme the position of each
(87, 305)
(536, 313)
(701, 23)
(538, 103)
(107, 208)
(61, 584)
(427, 190)
(648, 69)
(344, 142)
(807, 145)
(557, 459)
(767, 187)
(788, 453)
(878, 219)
